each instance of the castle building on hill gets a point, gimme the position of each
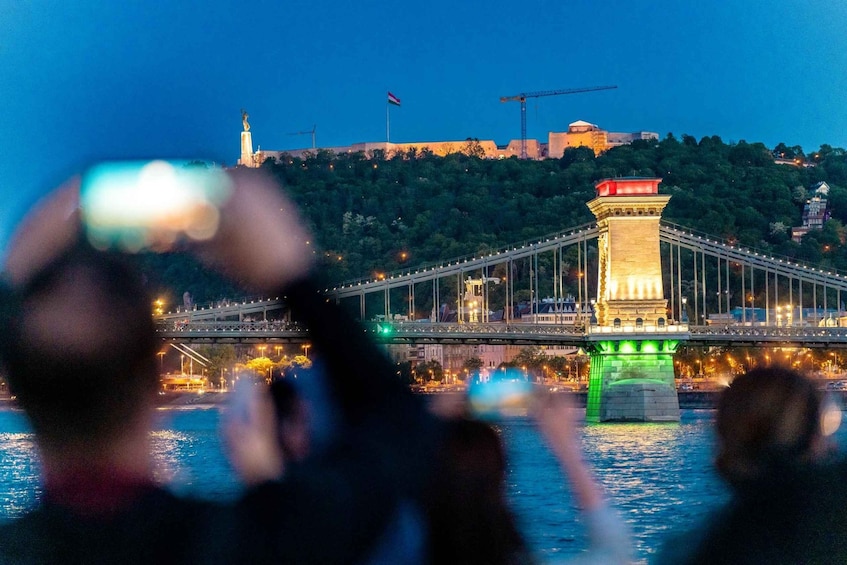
(579, 134)
(584, 134)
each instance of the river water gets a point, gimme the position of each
(659, 476)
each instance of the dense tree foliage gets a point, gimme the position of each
(375, 214)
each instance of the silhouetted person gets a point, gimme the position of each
(469, 516)
(772, 450)
(768, 420)
(79, 348)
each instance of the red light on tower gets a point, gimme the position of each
(634, 186)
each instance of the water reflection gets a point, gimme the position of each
(186, 453)
(658, 475)
(19, 472)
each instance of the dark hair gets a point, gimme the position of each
(294, 428)
(769, 418)
(469, 518)
(79, 345)
(285, 398)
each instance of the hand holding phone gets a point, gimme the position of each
(238, 221)
(500, 395)
(140, 205)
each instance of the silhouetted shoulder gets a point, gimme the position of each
(159, 528)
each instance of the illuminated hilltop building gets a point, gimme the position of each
(584, 134)
(579, 134)
(484, 148)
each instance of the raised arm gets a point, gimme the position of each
(609, 539)
(333, 508)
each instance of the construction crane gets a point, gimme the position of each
(312, 131)
(524, 95)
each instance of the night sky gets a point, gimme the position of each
(87, 80)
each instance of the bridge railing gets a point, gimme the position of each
(516, 333)
(471, 328)
(222, 308)
(200, 326)
(770, 331)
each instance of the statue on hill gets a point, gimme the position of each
(244, 117)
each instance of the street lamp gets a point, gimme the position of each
(161, 355)
(262, 349)
(306, 347)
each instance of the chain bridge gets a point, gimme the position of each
(792, 304)
(628, 288)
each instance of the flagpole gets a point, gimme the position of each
(387, 122)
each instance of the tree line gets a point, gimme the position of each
(375, 213)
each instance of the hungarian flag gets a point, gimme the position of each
(393, 99)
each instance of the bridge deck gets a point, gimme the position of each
(514, 334)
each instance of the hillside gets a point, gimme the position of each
(376, 215)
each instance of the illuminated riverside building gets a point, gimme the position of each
(579, 134)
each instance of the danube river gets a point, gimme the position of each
(659, 476)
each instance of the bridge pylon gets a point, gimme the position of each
(632, 344)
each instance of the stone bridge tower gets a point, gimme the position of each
(632, 343)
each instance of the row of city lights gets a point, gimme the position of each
(159, 303)
(461, 261)
(382, 276)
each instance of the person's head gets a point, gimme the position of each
(769, 417)
(79, 348)
(469, 518)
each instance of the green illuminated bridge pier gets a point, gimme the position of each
(629, 289)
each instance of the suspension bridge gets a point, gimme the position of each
(628, 288)
(798, 305)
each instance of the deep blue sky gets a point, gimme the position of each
(84, 80)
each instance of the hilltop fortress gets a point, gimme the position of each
(579, 134)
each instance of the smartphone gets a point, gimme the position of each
(499, 396)
(151, 205)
